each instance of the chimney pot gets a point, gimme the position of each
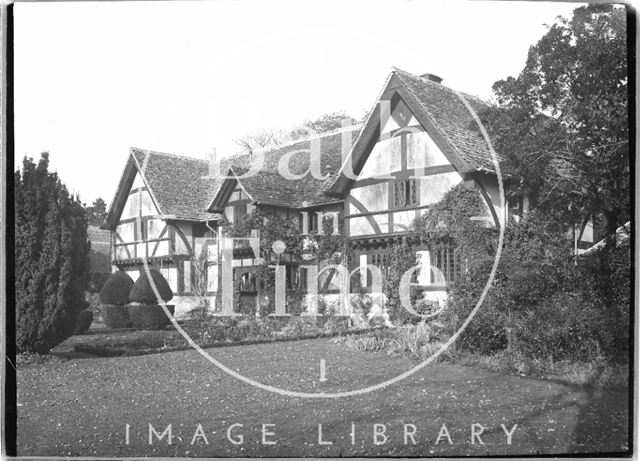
(432, 77)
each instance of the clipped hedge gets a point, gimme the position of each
(116, 289)
(142, 291)
(115, 316)
(149, 317)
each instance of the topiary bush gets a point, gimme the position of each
(142, 290)
(116, 289)
(114, 296)
(149, 317)
(146, 314)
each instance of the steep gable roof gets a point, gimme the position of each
(451, 117)
(443, 115)
(178, 185)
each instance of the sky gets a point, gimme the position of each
(93, 79)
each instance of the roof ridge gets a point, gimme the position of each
(155, 152)
(447, 88)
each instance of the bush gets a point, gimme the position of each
(116, 289)
(142, 290)
(97, 281)
(115, 316)
(376, 341)
(83, 322)
(149, 317)
(542, 305)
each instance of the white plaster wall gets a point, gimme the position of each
(185, 303)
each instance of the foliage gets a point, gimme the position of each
(449, 222)
(51, 257)
(377, 341)
(325, 248)
(97, 281)
(143, 291)
(199, 287)
(562, 123)
(401, 259)
(543, 303)
(149, 316)
(97, 213)
(608, 274)
(83, 322)
(326, 122)
(115, 316)
(269, 138)
(116, 289)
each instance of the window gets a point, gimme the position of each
(405, 193)
(313, 222)
(248, 282)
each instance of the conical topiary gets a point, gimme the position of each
(142, 292)
(116, 289)
(148, 315)
(114, 296)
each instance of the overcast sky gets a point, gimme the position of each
(93, 79)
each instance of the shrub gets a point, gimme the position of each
(142, 290)
(542, 305)
(149, 317)
(83, 322)
(402, 258)
(114, 296)
(115, 316)
(377, 340)
(115, 290)
(411, 340)
(97, 281)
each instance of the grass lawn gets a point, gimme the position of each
(80, 407)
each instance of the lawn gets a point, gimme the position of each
(81, 407)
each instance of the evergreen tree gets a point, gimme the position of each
(52, 258)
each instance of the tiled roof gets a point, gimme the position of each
(180, 185)
(270, 187)
(182, 188)
(451, 117)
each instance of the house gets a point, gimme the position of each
(419, 141)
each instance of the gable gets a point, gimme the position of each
(403, 145)
(139, 201)
(409, 101)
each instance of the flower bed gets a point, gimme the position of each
(215, 332)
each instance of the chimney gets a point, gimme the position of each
(432, 77)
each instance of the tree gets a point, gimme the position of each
(261, 139)
(271, 138)
(51, 258)
(326, 122)
(97, 213)
(562, 123)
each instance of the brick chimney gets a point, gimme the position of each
(432, 77)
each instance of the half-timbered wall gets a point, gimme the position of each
(140, 232)
(404, 174)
